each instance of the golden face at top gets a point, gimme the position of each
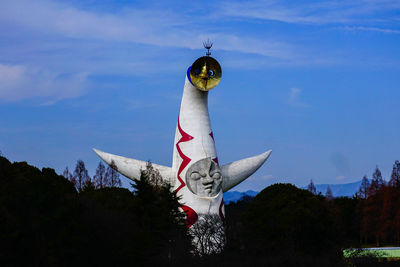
(205, 73)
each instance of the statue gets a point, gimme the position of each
(195, 175)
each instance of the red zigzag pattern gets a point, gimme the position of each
(185, 160)
(191, 215)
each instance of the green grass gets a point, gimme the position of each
(372, 252)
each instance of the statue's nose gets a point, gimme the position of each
(207, 180)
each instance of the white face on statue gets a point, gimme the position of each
(204, 178)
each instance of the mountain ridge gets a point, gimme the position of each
(338, 190)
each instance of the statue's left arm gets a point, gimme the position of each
(236, 172)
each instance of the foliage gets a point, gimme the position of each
(160, 218)
(45, 218)
(348, 217)
(281, 226)
(46, 222)
(395, 177)
(284, 216)
(39, 217)
(380, 209)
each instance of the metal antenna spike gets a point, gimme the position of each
(207, 45)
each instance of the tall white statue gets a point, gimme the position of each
(195, 175)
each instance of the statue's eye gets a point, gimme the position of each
(195, 176)
(210, 73)
(197, 71)
(216, 175)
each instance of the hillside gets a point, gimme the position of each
(338, 190)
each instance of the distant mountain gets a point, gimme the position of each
(233, 196)
(339, 190)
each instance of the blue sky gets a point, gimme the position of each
(316, 82)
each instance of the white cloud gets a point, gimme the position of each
(58, 38)
(371, 29)
(18, 82)
(152, 27)
(295, 99)
(310, 12)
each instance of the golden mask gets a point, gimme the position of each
(205, 73)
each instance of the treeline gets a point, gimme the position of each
(104, 177)
(376, 209)
(46, 220)
(379, 207)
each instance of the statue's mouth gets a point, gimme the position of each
(208, 189)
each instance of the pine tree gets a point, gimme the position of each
(395, 177)
(311, 187)
(377, 182)
(160, 216)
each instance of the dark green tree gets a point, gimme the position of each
(39, 217)
(161, 221)
(395, 176)
(45, 219)
(283, 220)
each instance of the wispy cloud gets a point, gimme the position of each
(64, 41)
(370, 29)
(152, 27)
(18, 82)
(310, 12)
(295, 98)
(71, 41)
(267, 177)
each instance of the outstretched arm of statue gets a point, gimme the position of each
(131, 168)
(236, 172)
